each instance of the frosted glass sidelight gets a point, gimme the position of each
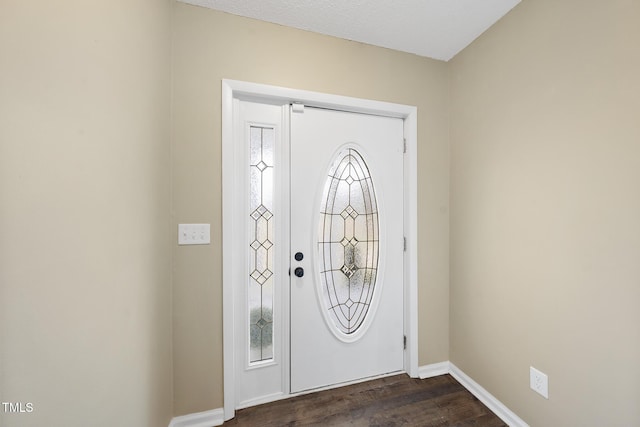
(348, 241)
(260, 285)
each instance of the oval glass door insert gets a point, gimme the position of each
(348, 243)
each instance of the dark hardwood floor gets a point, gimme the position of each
(391, 401)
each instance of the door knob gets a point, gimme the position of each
(299, 256)
(299, 271)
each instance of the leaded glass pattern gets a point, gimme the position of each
(348, 243)
(261, 232)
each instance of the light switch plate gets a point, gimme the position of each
(194, 234)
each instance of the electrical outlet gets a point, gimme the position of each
(539, 382)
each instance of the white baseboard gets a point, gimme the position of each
(487, 398)
(433, 370)
(497, 407)
(214, 417)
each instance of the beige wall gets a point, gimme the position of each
(210, 46)
(545, 224)
(85, 323)
(545, 238)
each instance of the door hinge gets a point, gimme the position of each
(404, 244)
(297, 107)
(404, 145)
(404, 342)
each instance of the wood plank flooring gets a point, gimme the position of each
(389, 402)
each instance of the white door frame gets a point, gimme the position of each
(231, 262)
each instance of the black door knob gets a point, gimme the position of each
(299, 271)
(298, 256)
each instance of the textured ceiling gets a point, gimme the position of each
(434, 28)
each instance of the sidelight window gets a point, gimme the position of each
(261, 238)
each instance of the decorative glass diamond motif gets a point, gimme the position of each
(349, 211)
(348, 270)
(353, 241)
(261, 211)
(261, 277)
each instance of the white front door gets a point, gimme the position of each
(318, 194)
(346, 216)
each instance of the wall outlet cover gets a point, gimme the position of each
(539, 382)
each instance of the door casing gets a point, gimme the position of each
(273, 94)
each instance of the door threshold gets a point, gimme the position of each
(346, 383)
(282, 396)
